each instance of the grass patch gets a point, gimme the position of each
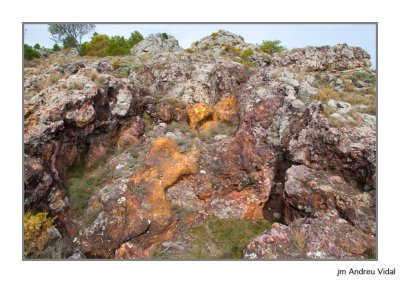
(299, 240)
(76, 85)
(219, 239)
(327, 93)
(236, 51)
(363, 76)
(82, 183)
(217, 128)
(122, 68)
(51, 80)
(245, 63)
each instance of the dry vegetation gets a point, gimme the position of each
(369, 100)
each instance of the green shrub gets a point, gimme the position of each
(116, 63)
(135, 38)
(30, 53)
(98, 45)
(189, 50)
(164, 36)
(236, 51)
(56, 47)
(35, 232)
(272, 46)
(123, 68)
(69, 42)
(117, 45)
(83, 49)
(214, 35)
(246, 54)
(36, 46)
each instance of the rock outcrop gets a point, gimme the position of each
(187, 136)
(157, 43)
(339, 57)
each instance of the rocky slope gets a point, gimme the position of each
(134, 155)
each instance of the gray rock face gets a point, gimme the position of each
(124, 98)
(339, 57)
(217, 41)
(157, 43)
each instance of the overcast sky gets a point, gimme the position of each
(291, 35)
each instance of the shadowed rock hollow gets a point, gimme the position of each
(143, 166)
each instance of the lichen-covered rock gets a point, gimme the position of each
(311, 193)
(137, 210)
(328, 237)
(219, 130)
(339, 57)
(157, 43)
(131, 132)
(350, 152)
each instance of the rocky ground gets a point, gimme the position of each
(203, 152)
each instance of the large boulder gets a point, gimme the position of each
(157, 43)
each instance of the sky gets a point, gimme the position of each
(291, 35)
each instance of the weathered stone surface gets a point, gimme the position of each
(328, 237)
(201, 133)
(350, 152)
(139, 206)
(131, 132)
(156, 43)
(312, 193)
(339, 57)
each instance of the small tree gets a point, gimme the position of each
(117, 46)
(272, 46)
(36, 46)
(98, 45)
(30, 53)
(56, 47)
(60, 32)
(135, 38)
(69, 42)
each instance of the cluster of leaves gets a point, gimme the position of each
(272, 46)
(56, 47)
(36, 236)
(102, 45)
(246, 54)
(30, 53)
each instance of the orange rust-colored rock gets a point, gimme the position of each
(227, 110)
(139, 212)
(203, 115)
(199, 113)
